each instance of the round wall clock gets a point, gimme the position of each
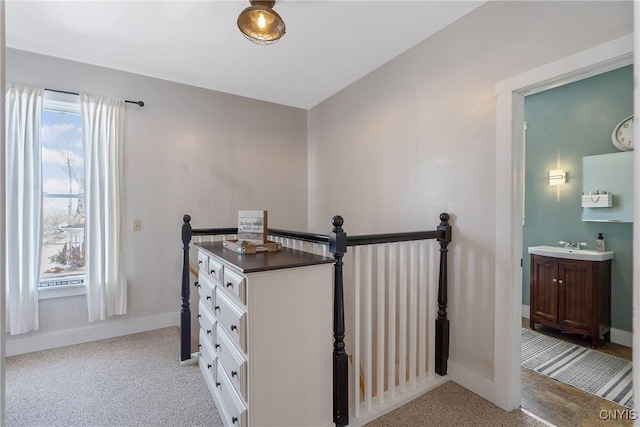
(622, 136)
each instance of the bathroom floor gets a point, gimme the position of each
(561, 404)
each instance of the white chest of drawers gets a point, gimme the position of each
(266, 335)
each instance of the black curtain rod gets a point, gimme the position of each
(139, 103)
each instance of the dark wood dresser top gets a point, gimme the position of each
(264, 261)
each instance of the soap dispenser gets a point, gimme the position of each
(600, 243)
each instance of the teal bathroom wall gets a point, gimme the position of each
(565, 124)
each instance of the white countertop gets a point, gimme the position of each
(562, 252)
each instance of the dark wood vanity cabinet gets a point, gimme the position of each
(571, 295)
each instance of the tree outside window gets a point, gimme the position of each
(63, 251)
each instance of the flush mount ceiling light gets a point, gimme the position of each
(260, 24)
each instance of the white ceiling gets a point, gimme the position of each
(328, 45)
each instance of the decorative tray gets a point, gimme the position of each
(250, 248)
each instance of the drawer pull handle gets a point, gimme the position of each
(199, 345)
(217, 384)
(217, 346)
(234, 374)
(555, 280)
(234, 420)
(196, 284)
(560, 281)
(208, 296)
(199, 316)
(208, 331)
(217, 307)
(234, 328)
(208, 366)
(199, 261)
(229, 285)
(212, 272)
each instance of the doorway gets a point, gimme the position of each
(565, 125)
(510, 95)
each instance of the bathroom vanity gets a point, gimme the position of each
(571, 290)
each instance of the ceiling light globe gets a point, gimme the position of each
(261, 25)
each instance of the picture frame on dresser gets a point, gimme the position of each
(252, 227)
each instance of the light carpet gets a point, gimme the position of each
(597, 373)
(134, 380)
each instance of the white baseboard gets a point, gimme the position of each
(618, 336)
(621, 337)
(471, 380)
(96, 332)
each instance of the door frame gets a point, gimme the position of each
(2, 218)
(510, 95)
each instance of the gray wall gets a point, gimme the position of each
(417, 137)
(564, 125)
(189, 150)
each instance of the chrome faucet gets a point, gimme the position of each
(573, 245)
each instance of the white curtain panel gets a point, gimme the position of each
(23, 182)
(103, 135)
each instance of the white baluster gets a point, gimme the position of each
(356, 338)
(432, 306)
(381, 317)
(391, 366)
(413, 313)
(422, 311)
(368, 333)
(402, 322)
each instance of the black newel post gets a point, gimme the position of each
(442, 323)
(185, 312)
(338, 247)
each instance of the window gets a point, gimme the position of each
(63, 204)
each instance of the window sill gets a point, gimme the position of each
(61, 291)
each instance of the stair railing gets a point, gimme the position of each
(386, 246)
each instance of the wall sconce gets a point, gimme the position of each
(557, 177)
